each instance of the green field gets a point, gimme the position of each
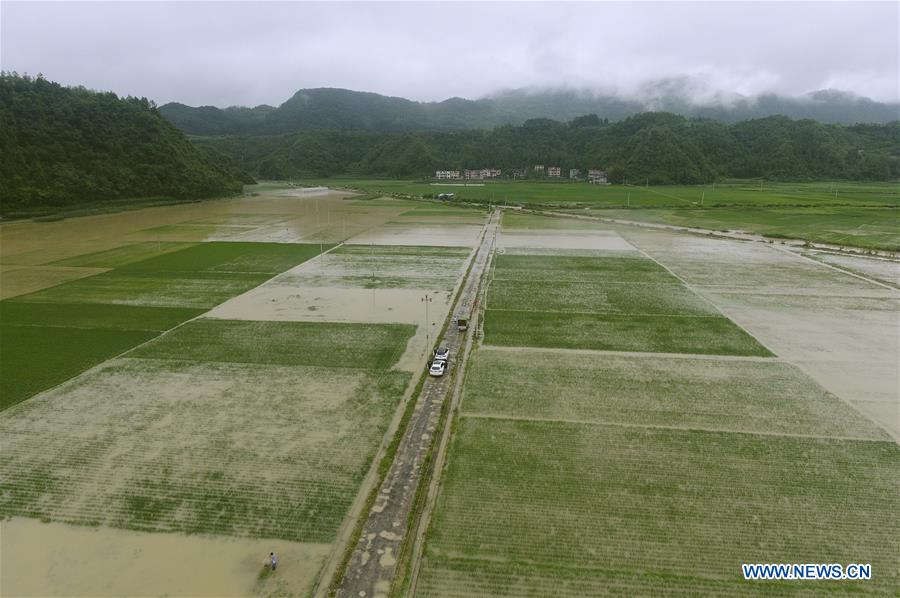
(560, 194)
(236, 449)
(585, 297)
(624, 304)
(230, 257)
(35, 358)
(616, 332)
(92, 315)
(328, 344)
(873, 228)
(576, 268)
(578, 509)
(119, 256)
(53, 334)
(850, 213)
(732, 394)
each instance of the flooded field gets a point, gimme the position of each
(256, 351)
(647, 410)
(839, 328)
(53, 559)
(35, 249)
(248, 430)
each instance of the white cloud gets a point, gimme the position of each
(225, 53)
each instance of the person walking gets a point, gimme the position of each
(274, 560)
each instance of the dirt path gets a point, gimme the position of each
(373, 564)
(730, 234)
(592, 422)
(647, 354)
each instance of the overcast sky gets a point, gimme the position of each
(226, 53)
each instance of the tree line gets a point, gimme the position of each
(67, 145)
(654, 147)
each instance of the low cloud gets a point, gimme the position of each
(225, 53)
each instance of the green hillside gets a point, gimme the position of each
(652, 147)
(64, 146)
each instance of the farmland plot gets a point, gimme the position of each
(362, 284)
(626, 304)
(443, 235)
(647, 511)
(839, 328)
(52, 334)
(384, 267)
(250, 429)
(741, 395)
(577, 468)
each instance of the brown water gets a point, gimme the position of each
(29, 249)
(54, 559)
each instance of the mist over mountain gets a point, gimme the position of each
(329, 109)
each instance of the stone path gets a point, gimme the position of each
(373, 564)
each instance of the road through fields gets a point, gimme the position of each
(373, 564)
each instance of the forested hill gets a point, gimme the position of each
(62, 145)
(659, 147)
(326, 109)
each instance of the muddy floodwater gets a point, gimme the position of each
(54, 559)
(34, 255)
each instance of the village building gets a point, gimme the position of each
(446, 174)
(554, 171)
(597, 177)
(574, 173)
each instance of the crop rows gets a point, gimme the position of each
(228, 448)
(605, 303)
(737, 395)
(119, 256)
(586, 297)
(283, 343)
(616, 332)
(474, 577)
(53, 334)
(365, 266)
(574, 268)
(678, 503)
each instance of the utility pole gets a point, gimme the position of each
(628, 200)
(426, 300)
(702, 196)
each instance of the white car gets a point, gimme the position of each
(442, 354)
(438, 367)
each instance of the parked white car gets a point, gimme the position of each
(438, 367)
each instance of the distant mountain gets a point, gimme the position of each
(209, 120)
(68, 145)
(327, 109)
(656, 147)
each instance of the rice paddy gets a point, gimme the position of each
(628, 303)
(618, 433)
(644, 412)
(158, 420)
(654, 510)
